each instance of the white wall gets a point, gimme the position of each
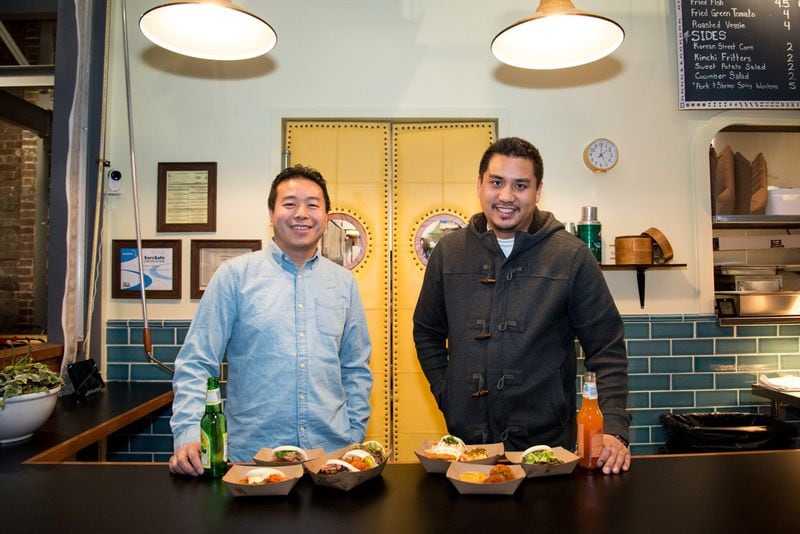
(427, 58)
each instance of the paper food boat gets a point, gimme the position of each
(235, 474)
(264, 457)
(537, 470)
(480, 488)
(432, 465)
(342, 481)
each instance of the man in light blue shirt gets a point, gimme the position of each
(293, 329)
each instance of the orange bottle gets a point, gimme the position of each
(590, 425)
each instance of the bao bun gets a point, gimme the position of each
(535, 448)
(372, 444)
(287, 448)
(259, 475)
(454, 442)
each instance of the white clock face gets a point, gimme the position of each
(601, 155)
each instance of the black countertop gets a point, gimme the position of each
(707, 493)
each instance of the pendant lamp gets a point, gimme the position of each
(557, 36)
(215, 30)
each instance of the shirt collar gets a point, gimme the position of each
(285, 261)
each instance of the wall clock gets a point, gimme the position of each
(601, 155)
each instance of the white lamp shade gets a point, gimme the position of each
(218, 31)
(557, 41)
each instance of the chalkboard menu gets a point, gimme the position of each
(738, 53)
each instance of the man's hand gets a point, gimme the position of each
(616, 457)
(186, 460)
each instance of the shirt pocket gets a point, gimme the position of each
(330, 318)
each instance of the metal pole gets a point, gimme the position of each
(148, 345)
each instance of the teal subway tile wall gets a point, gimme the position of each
(676, 364)
(147, 440)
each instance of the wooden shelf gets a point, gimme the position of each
(640, 269)
(49, 354)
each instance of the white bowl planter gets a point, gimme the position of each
(23, 414)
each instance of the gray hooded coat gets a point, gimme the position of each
(495, 336)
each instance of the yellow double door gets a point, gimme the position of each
(402, 184)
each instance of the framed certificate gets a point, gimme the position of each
(187, 197)
(161, 266)
(209, 254)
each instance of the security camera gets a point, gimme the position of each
(114, 180)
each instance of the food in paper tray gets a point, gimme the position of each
(482, 479)
(263, 475)
(540, 455)
(339, 469)
(452, 448)
(248, 481)
(541, 460)
(437, 456)
(362, 457)
(289, 454)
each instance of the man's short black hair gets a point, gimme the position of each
(514, 147)
(299, 171)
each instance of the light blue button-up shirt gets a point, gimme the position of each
(297, 349)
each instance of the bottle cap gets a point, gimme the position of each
(589, 214)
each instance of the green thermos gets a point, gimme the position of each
(589, 231)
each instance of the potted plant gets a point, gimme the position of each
(28, 395)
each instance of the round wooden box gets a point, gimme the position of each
(633, 250)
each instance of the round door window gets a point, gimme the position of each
(432, 230)
(345, 240)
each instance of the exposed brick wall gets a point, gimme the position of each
(20, 158)
(10, 154)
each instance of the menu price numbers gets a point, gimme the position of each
(785, 5)
(791, 71)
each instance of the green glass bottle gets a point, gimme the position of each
(213, 433)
